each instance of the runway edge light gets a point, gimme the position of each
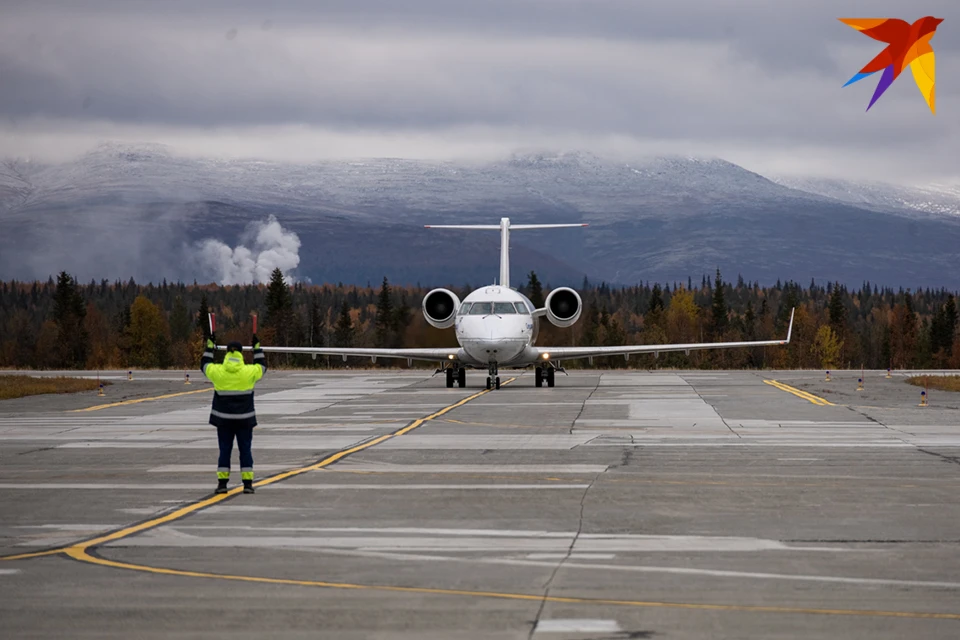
(827, 379)
(923, 398)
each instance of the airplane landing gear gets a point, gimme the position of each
(456, 375)
(544, 372)
(493, 379)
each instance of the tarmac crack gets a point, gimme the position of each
(556, 569)
(952, 459)
(41, 449)
(576, 536)
(583, 406)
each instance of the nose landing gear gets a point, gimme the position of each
(493, 379)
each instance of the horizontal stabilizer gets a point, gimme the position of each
(504, 228)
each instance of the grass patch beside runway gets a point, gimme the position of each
(23, 386)
(941, 383)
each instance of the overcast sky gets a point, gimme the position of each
(755, 82)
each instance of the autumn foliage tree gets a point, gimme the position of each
(148, 335)
(118, 324)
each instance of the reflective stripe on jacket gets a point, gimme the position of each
(233, 383)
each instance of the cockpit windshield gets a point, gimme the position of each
(481, 309)
(488, 308)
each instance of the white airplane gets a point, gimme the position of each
(497, 326)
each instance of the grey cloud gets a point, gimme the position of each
(722, 73)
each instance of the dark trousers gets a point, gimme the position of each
(244, 436)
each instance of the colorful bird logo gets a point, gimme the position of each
(907, 44)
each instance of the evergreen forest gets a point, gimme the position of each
(64, 324)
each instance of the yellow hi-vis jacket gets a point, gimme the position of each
(233, 383)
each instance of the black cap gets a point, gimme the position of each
(234, 346)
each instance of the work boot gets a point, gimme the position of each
(221, 486)
(248, 486)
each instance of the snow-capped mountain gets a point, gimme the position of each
(936, 199)
(123, 211)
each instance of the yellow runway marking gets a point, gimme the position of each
(817, 400)
(81, 551)
(207, 502)
(139, 400)
(33, 554)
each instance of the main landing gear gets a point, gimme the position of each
(544, 372)
(458, 375)
(493, 379)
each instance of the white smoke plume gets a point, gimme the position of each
(270, 247)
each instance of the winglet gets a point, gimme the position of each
(790, 328)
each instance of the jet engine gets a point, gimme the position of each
(563, 307)
(440, 308)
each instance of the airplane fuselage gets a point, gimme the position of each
(496, 324)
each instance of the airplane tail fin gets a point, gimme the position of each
(504, 227)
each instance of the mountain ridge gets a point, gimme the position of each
(138, 210)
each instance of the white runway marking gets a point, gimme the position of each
(577, 625)
(371, 467)
(650, 569)
(9, 572)
(70, 527)
(206, 468)
(572, 556)
(554, 544)
(308, 487)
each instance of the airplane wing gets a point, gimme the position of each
(429, 355)
(571, 353)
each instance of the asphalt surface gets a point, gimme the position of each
(657, 504)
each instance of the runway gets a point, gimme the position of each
(619, 504)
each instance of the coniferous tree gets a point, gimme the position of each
(535, 290)
(718, 317)
(343, 329)
(385, 321)
(180, 324)
(317, 324)
(836, 311)
(950, 323)
(749, 322)
(401, 321)
(69, 310)
(203, 314)
(279, 308)
(656, 300)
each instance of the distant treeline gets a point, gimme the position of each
(63, 324)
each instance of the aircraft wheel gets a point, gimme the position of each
(538, 377)
(462, 377)
(488, 383)
(498, 382)
(449, 378)
(550, 373)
